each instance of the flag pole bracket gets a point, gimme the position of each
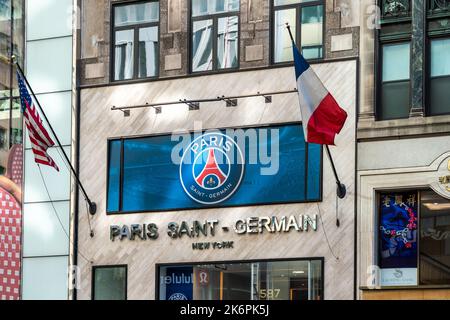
(92, 208)
(341, 190)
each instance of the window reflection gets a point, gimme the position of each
(136, 32)
(434, 239)
(440, 77)
(227, 43)
(148, 52)
(306, 22)
(124, 54)
(283, 44)
(215, 33)
(279, 280)
(202, 45)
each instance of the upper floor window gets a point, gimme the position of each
(395, 81)
(394, 60)
(306, 20)
(215, 35)
(438, 93)
(136, 40)
(440, 77)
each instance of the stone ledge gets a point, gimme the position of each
(368, 129)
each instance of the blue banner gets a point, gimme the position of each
(221, 168)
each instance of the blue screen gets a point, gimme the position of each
(287, 170)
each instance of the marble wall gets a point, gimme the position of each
(98, 123)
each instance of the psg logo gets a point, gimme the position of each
(212, 168)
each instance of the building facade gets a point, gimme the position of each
(403, 152)
(11, 150)
(192, 147)
(35, 224)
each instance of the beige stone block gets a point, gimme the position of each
(172, 62)
(342, 42)
(94, 70)
(350, 12)
(174, 18)
(254, 53)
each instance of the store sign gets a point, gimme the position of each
(445, 179)
(211, 228)
(439, 180)
(214, 168)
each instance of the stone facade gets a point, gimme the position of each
(341, 19)
(98, 123)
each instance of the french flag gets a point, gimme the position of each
(322, 117)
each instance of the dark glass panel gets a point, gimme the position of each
(395, 100)
(115, 148)
(434, 239)
(110, 283)
(440, 96)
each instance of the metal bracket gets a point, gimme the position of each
(192, 105)
(158, 110)
(229, 102)
(267, 99)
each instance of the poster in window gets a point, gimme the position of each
(179, 283)
(398, 238)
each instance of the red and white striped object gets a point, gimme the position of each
(39, 137)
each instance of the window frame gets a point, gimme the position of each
(135, 28)
(215, 18)
(158, 267)
(430, 36)
(122, 139)
(377, 254)
(94, 269)
(428, 77)
(379, 75)
(297, 37)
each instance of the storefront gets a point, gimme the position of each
(404, 246)
(255, 280)
(216, 203)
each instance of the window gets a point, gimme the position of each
(146, 174)
(306, 20)
(215, 35)
(109, 283)
(434, 241)
(265, 280)
(395, 81)
(439, 94)
(414, 239)
(394, 60)
(136, 40)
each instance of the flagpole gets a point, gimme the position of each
(341, 189)
(92, 205)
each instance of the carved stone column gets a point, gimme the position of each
(418, 58)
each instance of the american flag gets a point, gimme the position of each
(39, 137)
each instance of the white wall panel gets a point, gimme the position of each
(57, 107)
(43, 232)
(45, 278)
(49, 18)
(49, 64)
(58, 183)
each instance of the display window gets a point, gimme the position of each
(265, 280)
(414, 238)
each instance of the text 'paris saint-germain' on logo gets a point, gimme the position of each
(212, 168)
